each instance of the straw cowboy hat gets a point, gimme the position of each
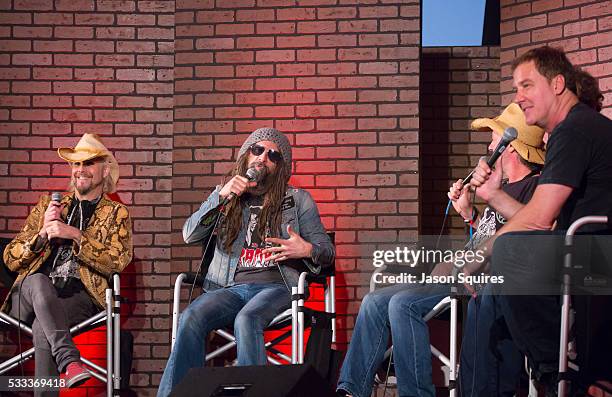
(90, 147)
(529, 143)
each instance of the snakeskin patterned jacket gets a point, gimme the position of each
(105, 246)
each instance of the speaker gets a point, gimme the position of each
(253, 381)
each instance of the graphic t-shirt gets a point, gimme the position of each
(491, 220)
(253, 265)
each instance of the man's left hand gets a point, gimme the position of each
(295, 247)
(58, 229)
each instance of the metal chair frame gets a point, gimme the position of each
(449, 362)
(296, 313)
(110, 316)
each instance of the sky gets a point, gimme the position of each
(452, 22)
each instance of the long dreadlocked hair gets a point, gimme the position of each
(271, 210)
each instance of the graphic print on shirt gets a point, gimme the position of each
(490, 222)
(252, 255)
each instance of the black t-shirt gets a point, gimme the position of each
(491, 220)
(579, 155)
(253, 265)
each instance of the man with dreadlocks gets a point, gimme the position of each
(266, 231)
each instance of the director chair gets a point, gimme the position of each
(109, 316)
(297, 316)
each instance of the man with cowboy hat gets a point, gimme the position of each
(266, 230)
(64, 254)
(397, 311)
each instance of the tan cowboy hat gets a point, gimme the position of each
(528, 144)
(89, 147)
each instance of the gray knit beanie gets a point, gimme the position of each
(272, 135)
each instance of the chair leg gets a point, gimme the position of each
(109, 343)
(116, 335)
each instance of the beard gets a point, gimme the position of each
(84, 188)
(265, 178)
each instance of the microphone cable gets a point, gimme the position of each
(212, 232)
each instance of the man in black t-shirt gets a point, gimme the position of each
(576, 181)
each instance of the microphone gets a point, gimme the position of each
(56, 196)
(509, 135)
(252, 175)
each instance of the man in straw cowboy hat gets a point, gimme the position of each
(397, 311)
(64, 254)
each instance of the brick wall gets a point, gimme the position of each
(583, 28)
(458, 84)
(73, 66)
(340, 80)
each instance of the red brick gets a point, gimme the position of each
(563, 16)
(356, 54)
(516, 11)
(597, 9)
(275, 56)
(298, 14)
(356, 110)
(53, 46)
(254, 70)
(14, 73)
(358, 26)
(73, 32)
(135, 20)
(275, 84)
(255, 15)
(15, 45)
(255, 42)
(34, 5)
(371, 39)
(252, 98)
(137, 47)
(315, 82)
(30, 114)
(318, 27)
(95, 19)
(235, 29)
(340, 40)
(357, 82)
(546, 34)
(276, 28)
(342, 68)
(31, 31)
(114, 88)
(113, 5)
(94, 101)
(94, 74)
(596, 40)
(356, 194)
(295, 42)
(74, 5)
(73, 59)
(16, 18)
(534, 21)
(72, 87)
(114, 115)
(234, 57)
(274, 112)
(546, 5)
(71, 115)
(233, 112)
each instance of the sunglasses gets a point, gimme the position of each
(273, 155)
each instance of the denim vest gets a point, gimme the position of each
(298, 210)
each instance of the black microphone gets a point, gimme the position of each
(509, 135)
(252, 175)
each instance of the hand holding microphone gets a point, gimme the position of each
(509, 135)
(53, 213)
(236, 186)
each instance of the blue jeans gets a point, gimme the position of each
(249, 307)
(490, 362)
(397, 310)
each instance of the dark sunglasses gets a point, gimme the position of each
(273, 155)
